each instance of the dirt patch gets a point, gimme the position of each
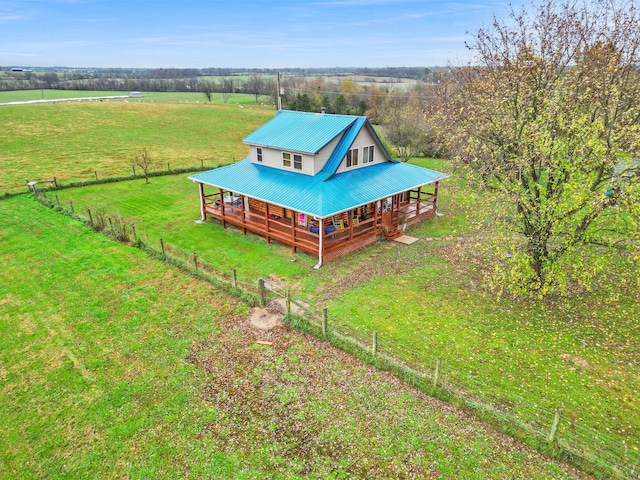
(265, 318)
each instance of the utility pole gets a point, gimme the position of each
(279, 93)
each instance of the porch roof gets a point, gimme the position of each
(312, 195)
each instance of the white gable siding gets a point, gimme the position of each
(273, 158)
(324, 154)
(364, 139)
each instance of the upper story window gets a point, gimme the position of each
(367, 154)
(352, 157)
(297, 162)
(286, 159)
(259, 150)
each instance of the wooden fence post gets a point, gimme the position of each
(71, 204)
(134, 170)
(57, 200)
(90, 217)
(436, 374)
(195, 260)
(168, 167)
(235, 278)
(96, 173)
(164, 257)
(375, 344)
(110, 225)
(262, 292)
(325, 321)
(553, 433)
(288, 302)
(55, 182)
(133, 229)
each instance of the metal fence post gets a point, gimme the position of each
(436, 373)
(375, 344)
(553, 433)
(262, 292)
(325, 321)
(288, 302)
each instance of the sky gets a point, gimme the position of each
(242, 33)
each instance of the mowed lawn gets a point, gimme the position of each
(577, 354)
(75, 141)
(113, 365)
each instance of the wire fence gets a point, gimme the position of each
(597, 452)
(38, 186)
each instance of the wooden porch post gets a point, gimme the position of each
(224, 223)
(351, 225)
(202, 204)
(419, 201)
(244, 220)
(266, 220)
(320, 243)
(294, 222)
(375, 213)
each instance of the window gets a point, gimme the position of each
(367, 154)
(297, 162)
(352, 158)
(259, 154)
(286, 159)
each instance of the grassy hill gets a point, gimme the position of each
(74, 142)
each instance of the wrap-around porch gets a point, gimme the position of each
(329, 237)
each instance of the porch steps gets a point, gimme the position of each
(393, 234)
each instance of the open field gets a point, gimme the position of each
(72, 141)
(577, 354)
(113, 365)
(149, 97)
(427, 301)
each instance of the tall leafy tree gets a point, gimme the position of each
(549, 118)
(405, 128)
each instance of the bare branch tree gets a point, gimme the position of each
(142, 159)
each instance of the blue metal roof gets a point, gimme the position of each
(300, 131)
(317, 195)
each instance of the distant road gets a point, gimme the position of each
(80, 99)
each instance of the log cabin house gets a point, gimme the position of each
(321, 183)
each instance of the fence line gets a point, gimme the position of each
(543, 429)
(52, 184)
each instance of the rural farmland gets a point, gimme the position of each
(139, 348)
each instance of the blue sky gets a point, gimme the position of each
(243, 33)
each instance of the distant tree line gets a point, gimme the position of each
(182, 79)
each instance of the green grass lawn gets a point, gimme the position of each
(71, 141)
(427, 301)
(578, 354)
(113, 365)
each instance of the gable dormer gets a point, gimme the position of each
(313, 143)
